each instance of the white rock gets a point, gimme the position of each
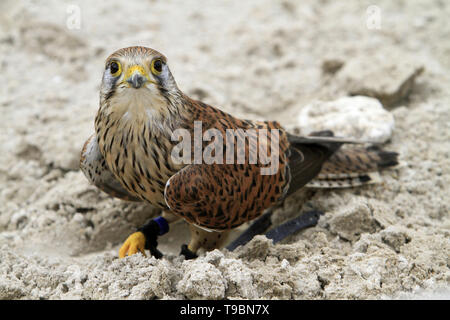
(356, 117)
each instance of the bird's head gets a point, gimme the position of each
(137, 79)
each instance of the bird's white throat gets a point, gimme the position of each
(137, 107)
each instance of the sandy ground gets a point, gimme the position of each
(59, 236)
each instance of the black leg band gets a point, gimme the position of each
(151, 232)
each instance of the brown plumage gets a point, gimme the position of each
(130, 156)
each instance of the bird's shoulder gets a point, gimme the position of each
(214, 117)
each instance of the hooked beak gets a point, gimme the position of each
(136, 76)
(136, 81)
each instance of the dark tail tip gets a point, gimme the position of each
(387, 159)
(364, 178)
(324, 133)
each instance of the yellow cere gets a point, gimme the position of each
(131, 70)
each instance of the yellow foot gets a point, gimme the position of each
(134, 244)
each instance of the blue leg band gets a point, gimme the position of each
(163, 225)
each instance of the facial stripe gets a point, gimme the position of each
(109, 84)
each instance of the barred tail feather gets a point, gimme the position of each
(353, 167)
(345, 181)
(318, 161)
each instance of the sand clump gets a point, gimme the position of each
(59, 236)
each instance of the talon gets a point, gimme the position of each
(156, 253)
(187, 253)
(135, 243)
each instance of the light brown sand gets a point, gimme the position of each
(59, 236)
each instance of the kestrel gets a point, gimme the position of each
(131, 156)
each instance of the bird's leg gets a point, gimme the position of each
(258, 227)
(200, 238)
(146, 236)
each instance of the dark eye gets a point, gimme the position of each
(114, 67)
(156, 66)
